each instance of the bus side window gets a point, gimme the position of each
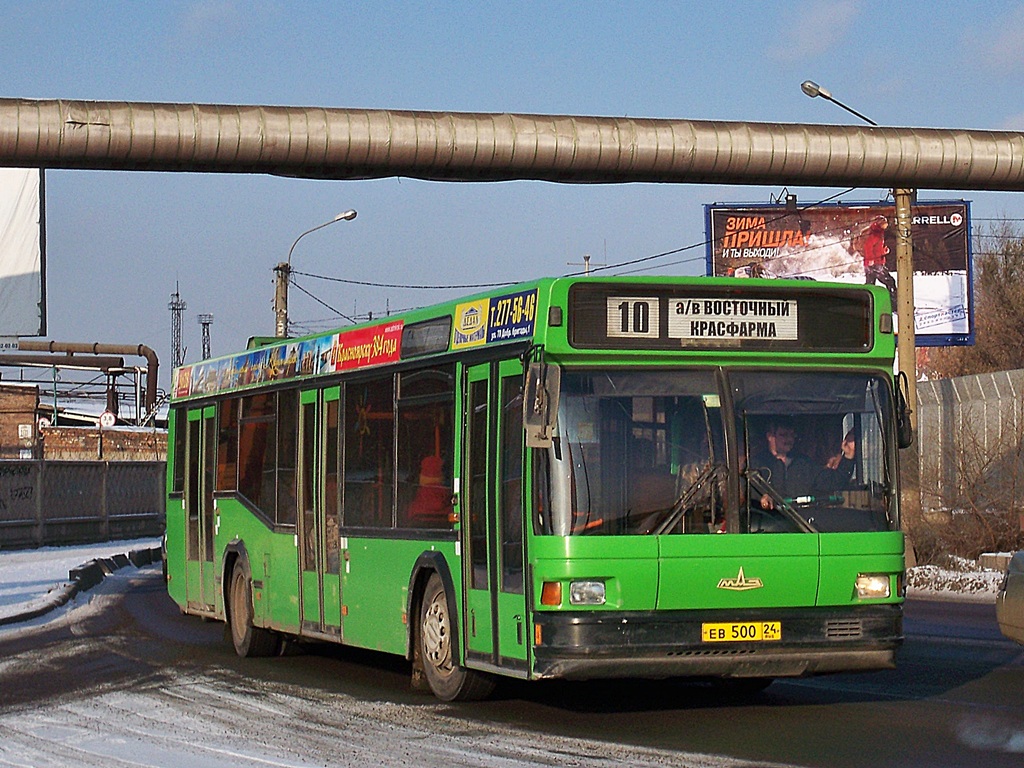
(426, 414)
(227, 445)
(369, 453)
(257, 454)
(180, 428)
(287, 455)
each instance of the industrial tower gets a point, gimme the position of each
(177, 306)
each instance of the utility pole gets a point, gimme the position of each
(205, 320)
(177, 306)
(906, 343)
(906, 346)
(585, 264)
(281, 274)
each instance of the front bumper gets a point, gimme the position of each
(596, 644)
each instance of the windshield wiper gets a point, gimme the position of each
(675, 513)
(762, 486)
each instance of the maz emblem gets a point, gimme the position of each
(741, 583)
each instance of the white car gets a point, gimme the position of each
(1010, 601)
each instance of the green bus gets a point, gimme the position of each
(571, 478)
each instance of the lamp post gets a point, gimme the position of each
(814, 90)
(906, 342)
(283, 271)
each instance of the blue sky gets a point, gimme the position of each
(117, 242)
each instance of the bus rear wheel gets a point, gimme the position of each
(447, 680)
(248, 639)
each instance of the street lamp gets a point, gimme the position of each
(284, 269)
(906, 343)
(814, 90)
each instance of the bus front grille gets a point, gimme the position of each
(844, 629)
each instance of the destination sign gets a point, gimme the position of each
(694, 318)
(606, 316)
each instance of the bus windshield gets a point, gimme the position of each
(674, 452)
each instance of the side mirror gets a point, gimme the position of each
(540, 403)
(904, 429)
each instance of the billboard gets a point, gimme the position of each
(22, 253)
(854, 243)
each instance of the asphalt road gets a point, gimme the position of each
(124, 679)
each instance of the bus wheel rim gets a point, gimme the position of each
(436, 635)
(238, 609)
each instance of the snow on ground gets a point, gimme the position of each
(27, 574)
(960, 580)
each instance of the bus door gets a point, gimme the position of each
(320, 601)
(495, 621)
(201, 450)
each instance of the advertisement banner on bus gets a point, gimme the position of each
(499, 318)
(347, 350)
(854, 243)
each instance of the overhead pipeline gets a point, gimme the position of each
(78, 348)
(450, 146)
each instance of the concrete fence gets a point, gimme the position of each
(65, 502)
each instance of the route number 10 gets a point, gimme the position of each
(633, 317)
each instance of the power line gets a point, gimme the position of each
(406, 287)
(323, 303)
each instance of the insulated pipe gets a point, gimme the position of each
(449, 146)
(72, 348)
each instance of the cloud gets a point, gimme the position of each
(211, 20)
(813, 28)
(998, 46)
(1012, 123)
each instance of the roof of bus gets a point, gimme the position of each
(469, 321)
(543, 284)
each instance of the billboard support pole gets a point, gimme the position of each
(906, 342)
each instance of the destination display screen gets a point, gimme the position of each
(609, 316)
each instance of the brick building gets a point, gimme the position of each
(26, 432)
(19, 417)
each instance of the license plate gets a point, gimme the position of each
(741, 631)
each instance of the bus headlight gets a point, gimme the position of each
(873, 586)
(586, 593)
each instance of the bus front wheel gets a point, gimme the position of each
(248, 639)
(447, 680)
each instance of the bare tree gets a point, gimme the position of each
(998, 309)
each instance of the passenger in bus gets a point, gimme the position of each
(792, 473)
(844, 463)
(433, 500)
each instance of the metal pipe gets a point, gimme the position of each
(450, 146)
(98, 363)
(72, 348)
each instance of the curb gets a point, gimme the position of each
(80, 579)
